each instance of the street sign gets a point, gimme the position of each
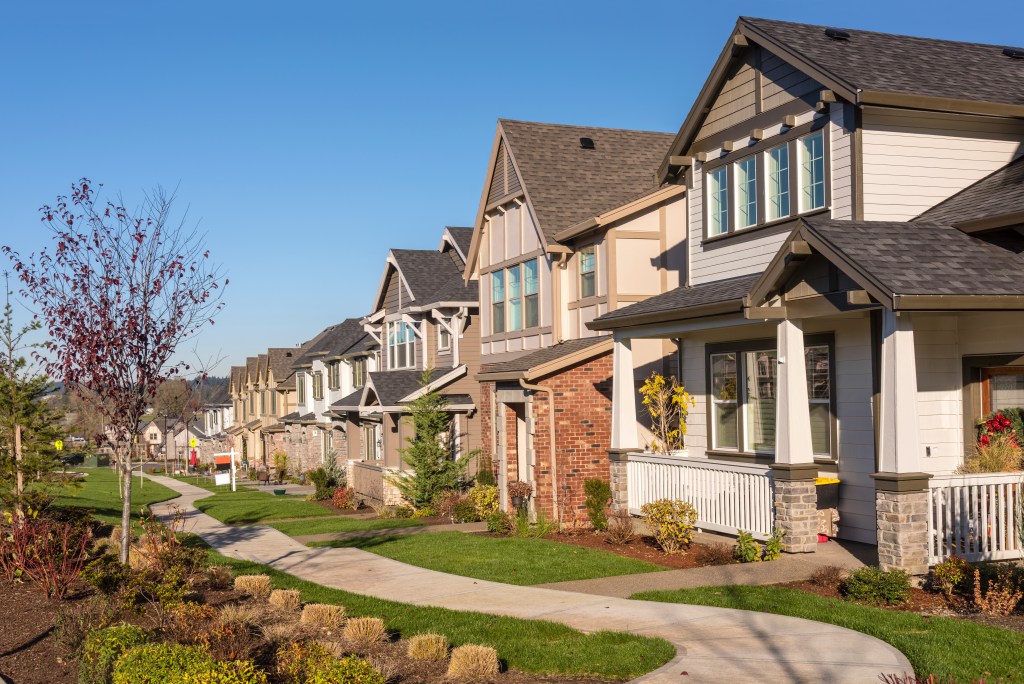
(192, 442)
(59, 445)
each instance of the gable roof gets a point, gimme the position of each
(250, 368)
(716, 297)
(280, 360)
(873, 68)
(1000, 195)
(462, 237)
(391, 387)
(548, 360)
(430, 275)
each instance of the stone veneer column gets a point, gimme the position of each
(392, 495)
(901, 507)
(796, 505)
(618, 465)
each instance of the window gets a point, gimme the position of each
(273, 406)
(358, 372)
(300, 388)
(744, 383)
(263, 402)
(371, 443)
(515, 298)
(778, 182)
(718, 201)
(444, 338)
(812, 171)
(1002, 388)
(334, 374)
(252, 402)
(401, 345)
(318, 386)
(498, 302)
(588, 265)
(746, 192)
(531, 288)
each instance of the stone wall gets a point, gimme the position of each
(902, 530)
(796, 513)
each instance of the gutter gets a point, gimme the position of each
(551, 428)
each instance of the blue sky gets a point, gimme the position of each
(309, 137)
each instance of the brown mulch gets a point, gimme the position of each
(643, 548)
(29, 653)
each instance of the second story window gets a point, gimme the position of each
(252, 402)
(334, 374)
(588, 267)
(515, 298)
(746, 192)
(498, 302)
(358, 372)
(263, 403)
(718, 201)
(401, 345)
(531, 288)
(318, 386)
(300, 388)
(778, 182)
(444, 338)
(812, 171)
(273, 404)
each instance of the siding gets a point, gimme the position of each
(914, 160)
(782, 83)
(504, 180)
(939, 393)
(735, 103)
(840, 131)
(391, 294)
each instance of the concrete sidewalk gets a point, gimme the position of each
(712, 644)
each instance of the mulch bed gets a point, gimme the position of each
(645, 549)
(29, 653)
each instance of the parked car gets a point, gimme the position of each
(72, 459)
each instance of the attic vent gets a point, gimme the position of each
(1014, 53)
(837, 34)
(587, 143)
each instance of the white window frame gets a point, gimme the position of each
(531, 298)
(782, 174)
(802, 160)
(404, 350)
(592, 272)
(498, 307)
(300, 388)
(723, 201)
(444, 338)
(747, 164)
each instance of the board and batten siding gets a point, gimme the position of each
(914, 160)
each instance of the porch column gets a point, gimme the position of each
(794, 470)
(624, 435)
(901, 489)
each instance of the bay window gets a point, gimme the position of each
(746, 192)
(401, 345)
(588, 266)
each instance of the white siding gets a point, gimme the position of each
(939, 391)
(841, 138)
(913, 160)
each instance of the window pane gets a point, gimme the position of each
(759, 414)
(588, 264)
(531, 311)
(818, 379)
(586, 285)
(746, 192)
(820, 429)
(531, 281)
(778, 182)
(723, 381)
(587, 260)
(718, 201)
(498, 317)
(812, 172)
(498, 302)
(1006, 391)
(515, 301)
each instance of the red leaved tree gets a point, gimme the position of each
(118, 293)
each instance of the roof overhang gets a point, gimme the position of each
(554, 366)
(621, 212)
(938, 104)
(437, 383)
(730, 306)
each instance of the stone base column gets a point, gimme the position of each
(391, 494)
(796, 505)
(901, 507)
(618, 467)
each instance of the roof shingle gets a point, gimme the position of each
(681, 298)
(998, 194)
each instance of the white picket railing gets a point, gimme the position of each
(728, 496)
(974, 516)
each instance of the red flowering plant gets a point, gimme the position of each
(999, 444)
(1000, 425)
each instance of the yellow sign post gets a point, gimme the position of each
(59, 445)
(192, 442)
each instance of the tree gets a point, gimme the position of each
(432, 469)
(118, 292)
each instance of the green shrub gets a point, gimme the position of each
(485, 472)
(951, 575)
(599, 493)
(874, 585)
(107, 574)
(225, 672)
(672, 522)
(773, 547)
(312, 663)
(103, 647)
(159, 663)
(500, 522)
(323, 484)
(484, 499)
(747, 549)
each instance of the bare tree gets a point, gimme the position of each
(119, 292)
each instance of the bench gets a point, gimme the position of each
(263, 477)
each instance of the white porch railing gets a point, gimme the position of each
(728, 496)
(974, 516)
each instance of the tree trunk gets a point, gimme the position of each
(126, 506)
(19, 478)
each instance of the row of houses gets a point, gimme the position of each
(826, 254)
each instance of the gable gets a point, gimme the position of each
(758, 81)
(504, 180)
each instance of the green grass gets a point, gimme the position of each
(935, 645)
(254, 507)
(207, 483)
(512, 560)
(298, 528)
(528, 645)
(99, 493)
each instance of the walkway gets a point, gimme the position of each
(713, 644)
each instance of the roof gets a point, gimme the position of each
(463, 238)
(333, 340)
(718, 294)
(567, 184)
(904, 65)
(350, 401)
(1000, 193)
(432, 276)
(458, 399)
(236, 376)
(280, 360)
(544, 361)
(293, 416)
(250, 367)
(391, 387)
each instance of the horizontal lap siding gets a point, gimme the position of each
(841, 155)
(939, 391)
(736, 259)
(735, 103)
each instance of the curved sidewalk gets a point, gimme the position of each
(712, 644)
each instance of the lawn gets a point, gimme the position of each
(254, 507)
(207, 483)
(298, 528)
(946, 647)
(512, 560)
(528, 645)
(99, 492)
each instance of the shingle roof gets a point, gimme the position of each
(568, 184)
(250, 367)
(998, 194)
(431, 274)
(458, 399)
(350, 401)
(280, 360)
(391, 387)
(923, 258)
(293, 416)
(463, 237)
(905, 65)
(681, 298)
(332, 340)
(543, 356)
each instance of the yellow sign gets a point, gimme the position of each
(192, 442)
(59, 445)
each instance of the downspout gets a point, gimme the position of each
(551, 440)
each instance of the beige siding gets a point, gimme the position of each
(914, 160)
(782, 83)
(840, 131)
(497, 189)
(496, 231)
(675, 242)
(391, 294)
(735, 102)
(636, 266)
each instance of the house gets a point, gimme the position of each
(425, 319)
(153, 437)
(216, 418)
(571, 225)
(853, 294)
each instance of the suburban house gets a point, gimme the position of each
(154, 436)
(852, 298)
(571, 225)
(214, 419)
(426, 323)
(261, 393)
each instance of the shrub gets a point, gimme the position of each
(257, 586)
(621, 529)
(484, 498)
(281, 464)
(1008, 421)
(541, 527)
(829, 576)
(716, 554)
(672, 522)
(428, 647)
(74, 622)
(874, 585)
(473, 663)
(345, 497)
(313, 663)
(286, 599)
(1000, 597)
(219, 577)
(500, 522)
(225, 672)
(322, 483)
(103, 647)
(949, 575)
(189, 622)
(773, 547)
(365, 632)
(598, 493)
(107, 574)
(667, 403)
(485, 472)
(456, 506)
(747, 549)
(283, 632)
(323, 615)
(1000, 453)
(51, 553)
(159, 664)
(241, 615)
(424, 512)
(518, 488)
